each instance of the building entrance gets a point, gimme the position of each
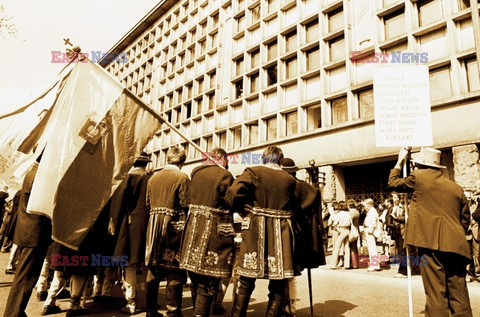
(367, 181)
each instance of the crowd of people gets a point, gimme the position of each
(357, 230)
(172, 227)
(213, 229)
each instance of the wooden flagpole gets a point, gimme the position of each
(409, 270)
(160, 118)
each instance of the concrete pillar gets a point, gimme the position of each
(466, 165)
(328, 190)
(340, 183)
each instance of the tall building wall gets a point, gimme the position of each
(242, 74)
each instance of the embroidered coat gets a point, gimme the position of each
(266, 250)
(207, 243)
(167, 200)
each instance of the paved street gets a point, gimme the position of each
(336, 293)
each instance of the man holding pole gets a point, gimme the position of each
(438, 220)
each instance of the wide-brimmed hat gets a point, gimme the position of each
(143, 157)
(288, 165)
(429, 157)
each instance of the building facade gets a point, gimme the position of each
(244, 74)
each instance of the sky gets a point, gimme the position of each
(25, 62)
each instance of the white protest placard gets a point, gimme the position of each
(402, 106)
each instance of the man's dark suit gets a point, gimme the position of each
(33, 234)
(437, 222)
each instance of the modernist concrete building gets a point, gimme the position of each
(244, 74)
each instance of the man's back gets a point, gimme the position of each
(168, 188)
(31, 230)
(438, 214)
(265, 187)
(209, 185)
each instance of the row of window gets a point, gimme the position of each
(284, 85)
(200, 93)
(394, 22)
(293, 119)
(236, 115)
(430, 42)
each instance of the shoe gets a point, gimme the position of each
(471, 279)
(373, 270)
(75, 309)
(334, 267)
(42, 296)
(50, 310)
(6, 248)
(10, 271)
(97, 298)
(240, 305)
(154, 314)
(76, 312)
(399, 275)
(218, 310)
(130, 309)
(275, 306)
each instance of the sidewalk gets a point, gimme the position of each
(335, 293)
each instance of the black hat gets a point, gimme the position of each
(288, 165)
(143, 157)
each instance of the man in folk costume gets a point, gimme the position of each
(438, 220)
(267, 194)
(167, 200)
(133, 221)
(207, 243)
(308, 227)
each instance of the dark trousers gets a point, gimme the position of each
(445, 284)
(402, 261)
(176, 279)
(26, 276)
(204, 288)
(354, 254)
(472, 268)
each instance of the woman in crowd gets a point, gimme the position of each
(384, 238)
(342, 222)
(353, 245)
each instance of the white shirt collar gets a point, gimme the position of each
(171, 167)
(273, 166)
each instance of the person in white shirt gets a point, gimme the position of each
(342, 222)
(370, 225)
